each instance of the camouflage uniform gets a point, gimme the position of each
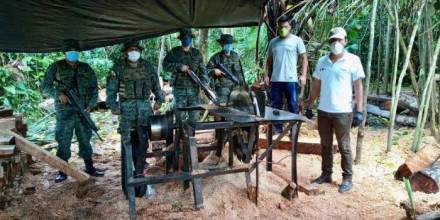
(83, 79)
(185, 90)
(134, 86)
(222, 85)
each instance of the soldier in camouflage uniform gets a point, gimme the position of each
(231, 60)
(222, 85)
(180, 60)
(133, 79)
(81, 77)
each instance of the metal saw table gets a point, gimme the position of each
(232, 118)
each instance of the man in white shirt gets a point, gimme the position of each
(335, 76)
(281, 67)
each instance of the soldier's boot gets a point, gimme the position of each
(91, 170)
(60, 177)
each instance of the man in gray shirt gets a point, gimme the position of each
(281, 67)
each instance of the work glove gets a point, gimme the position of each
(309, 113)
(358, 117)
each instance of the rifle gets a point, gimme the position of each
(208, 92)
(227, 73)
(75, 102)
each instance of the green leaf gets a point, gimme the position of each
(10, 89)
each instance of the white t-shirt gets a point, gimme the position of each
(284, 52)
(337, 82)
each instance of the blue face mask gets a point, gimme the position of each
(72, 56)
(186, 41)
(228, 47)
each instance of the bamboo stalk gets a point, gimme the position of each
(424, 105)
(387, 55)
(361, 130)
(395, 96)
(396, 63)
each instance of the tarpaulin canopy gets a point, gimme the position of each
(43, 25)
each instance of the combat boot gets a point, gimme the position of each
(91, 170)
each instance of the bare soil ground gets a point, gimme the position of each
(376, 195)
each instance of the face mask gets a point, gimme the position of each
(134, 56)
(186, 41)
(337, 48)
(283, 32)
(72, 56)
(228, 47)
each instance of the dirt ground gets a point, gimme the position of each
(376, 195)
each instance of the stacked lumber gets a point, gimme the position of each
(13, 162)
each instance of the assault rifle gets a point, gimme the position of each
(227, 73)
(76, 103)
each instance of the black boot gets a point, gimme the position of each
(324, 178)
(91, 170)
(345, 186)
(60, 177)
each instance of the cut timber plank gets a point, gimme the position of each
(422, 159)
(306, 145)
(41, 154)
(6, 139)
(7, 123)
(6, 112)
(427, 180)
(303, 184)
(7, 150)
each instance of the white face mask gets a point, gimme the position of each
(337, 48)
(134, 56)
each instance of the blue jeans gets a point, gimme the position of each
(279, 90)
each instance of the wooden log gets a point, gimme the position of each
(405, 101)
(306, 145)
(40, 154)
(401, 119)
(6, 112)
(422, 159)
(427, 180)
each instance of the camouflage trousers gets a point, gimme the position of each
(68, 121)
(185, 97)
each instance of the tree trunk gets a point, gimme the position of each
(361, 130)
(204, 44)
(160, 59)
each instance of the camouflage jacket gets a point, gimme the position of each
(134, 86)
(176, 58)
(82, 79)
(231, 62)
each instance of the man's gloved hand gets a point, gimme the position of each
(309, 113)
(358, 117)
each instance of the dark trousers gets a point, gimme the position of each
(339, 124)
(279, 90)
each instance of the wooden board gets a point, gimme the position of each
(7, 150)
(43, 155)
(6, 139)
(306, 145)
(422, 159)
(7, 123)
